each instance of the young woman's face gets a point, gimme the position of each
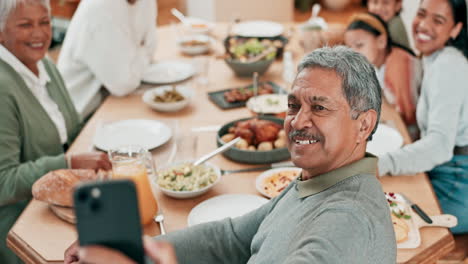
(434, 25)
(365, 43)
(385, 9)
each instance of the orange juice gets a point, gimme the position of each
(138, 173)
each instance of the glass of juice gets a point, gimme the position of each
(136, 163)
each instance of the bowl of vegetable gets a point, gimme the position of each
(250, 56)
(183, 180)
(168, 98)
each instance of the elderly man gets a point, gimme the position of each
(336, 211)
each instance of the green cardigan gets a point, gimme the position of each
(29, 143)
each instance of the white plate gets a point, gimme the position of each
(168, 72)
(227, 205)
(269, 173)
(258, 29)
(385, 139)
(148, 134)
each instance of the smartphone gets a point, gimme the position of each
(107, 215)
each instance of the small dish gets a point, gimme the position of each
(192, 193)
(198, 25)
(276, 104)
(149, 96)
(195, 44)
(280, 177)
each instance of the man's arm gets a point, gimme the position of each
(225, 241)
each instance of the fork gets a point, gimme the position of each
(159, 218)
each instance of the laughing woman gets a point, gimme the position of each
(37, 117)
(440, 33)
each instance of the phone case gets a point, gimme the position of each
(107, 214)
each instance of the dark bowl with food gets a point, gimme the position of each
(279, 42)
(263, 140)
(246, 69)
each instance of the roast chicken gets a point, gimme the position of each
(256, 131)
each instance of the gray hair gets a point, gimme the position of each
(359, 81)
(8, 6)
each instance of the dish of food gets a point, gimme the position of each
(279, 42)
(257, 135)
(263, 140)
(195, 44)
(237, 97)
(248, 49)
(272, 182)
(186, 177)
(168, 98)
(268, 103)
(182, 180)
(244, 93)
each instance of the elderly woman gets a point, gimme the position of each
(440, 33)
(37, 117)
(108, 46)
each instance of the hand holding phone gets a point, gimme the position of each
(107, 215)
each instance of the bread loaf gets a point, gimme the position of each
(56, 187)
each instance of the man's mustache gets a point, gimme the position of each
(303, 134)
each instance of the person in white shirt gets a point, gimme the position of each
(110, 44)
(440, 33)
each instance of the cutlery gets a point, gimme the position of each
(159, 218)
(417, 209)
(216, 151)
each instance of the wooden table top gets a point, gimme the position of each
(39, 236)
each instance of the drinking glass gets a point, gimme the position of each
(135, 163)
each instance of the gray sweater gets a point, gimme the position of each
(338, 217)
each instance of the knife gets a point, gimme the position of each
(272, 166)
(417, 209)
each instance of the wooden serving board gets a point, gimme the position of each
(415, 223)
(65, 213)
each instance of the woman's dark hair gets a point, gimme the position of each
(359, 24)
(459, 10)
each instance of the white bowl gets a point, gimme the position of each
(190, 194)
(198, 25)
(148, 98)
(203, 45)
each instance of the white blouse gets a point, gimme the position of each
(37, 84)
(441, 113)
(109, 43)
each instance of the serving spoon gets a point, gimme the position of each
(180, 16)
(216, 151)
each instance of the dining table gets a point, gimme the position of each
(39, 236)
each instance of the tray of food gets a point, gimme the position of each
(406, 223)
(237, 97)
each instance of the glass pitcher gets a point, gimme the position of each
(134, 162)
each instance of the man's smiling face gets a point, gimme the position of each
(322, 135)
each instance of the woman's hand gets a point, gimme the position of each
(90, 160)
